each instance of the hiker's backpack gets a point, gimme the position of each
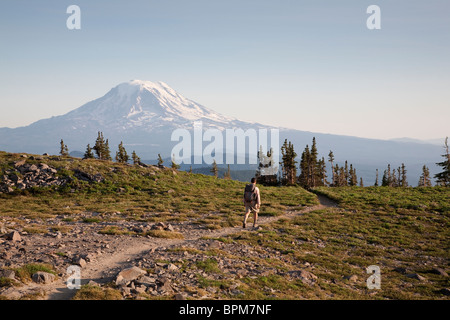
(250, 192)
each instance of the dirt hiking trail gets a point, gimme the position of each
(105, 267)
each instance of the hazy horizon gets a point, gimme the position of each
(306, 65)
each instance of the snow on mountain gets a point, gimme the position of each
(140, 103)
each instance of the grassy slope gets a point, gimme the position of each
(147, 194)
(390, 228)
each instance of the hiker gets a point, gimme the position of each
(252, 201)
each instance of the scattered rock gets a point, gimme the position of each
(125, 276)
(439, 271)
(145, 281)
(159, 226)
(352, 278)
(81, 175)
(172, 267)
(28, 175)
(164, 285)
(19, 164)
(57, 235)
(140, 289)
(79, 261)
(14, 236)
(6, 273)
(5, 255)
(126, 291)
(93, 283)
(401, 270)
(11, 293)
(445, 292)
(180, 296)
(42, 277)
(416, 276)
(305, 276)
(89, 257)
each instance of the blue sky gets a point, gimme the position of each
(308, 65)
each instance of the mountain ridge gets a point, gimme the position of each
(144, 114)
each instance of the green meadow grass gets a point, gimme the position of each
(390, 228)
(143, 194)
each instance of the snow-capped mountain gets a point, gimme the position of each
(144, 114)
(144, 104)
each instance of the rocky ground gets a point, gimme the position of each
(139, 265)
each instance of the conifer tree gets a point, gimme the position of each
(88, 153)
(289, 168)
(107, 154)
(174, 165)
(160, 160)
(385, 180)
(353, 179)
(343, 173)
(425, 180)
(339, 176)
(394, 181)
(403, 180)
(227, 175)
(387, 177)
(312, 170)
(361, 183)
(313, 165)
(101, 148)
(376, 179)
(121, 154)
(346, 172)
(214, 170)
(135, 158)
(331, 160)
(64, 151)
(304, 168)
(336, 176)
(443, 178)
(322, 173)
(266, 173)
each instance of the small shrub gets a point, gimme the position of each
(88, 292)
(164, 234)
(209, 265)
(25, 272)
